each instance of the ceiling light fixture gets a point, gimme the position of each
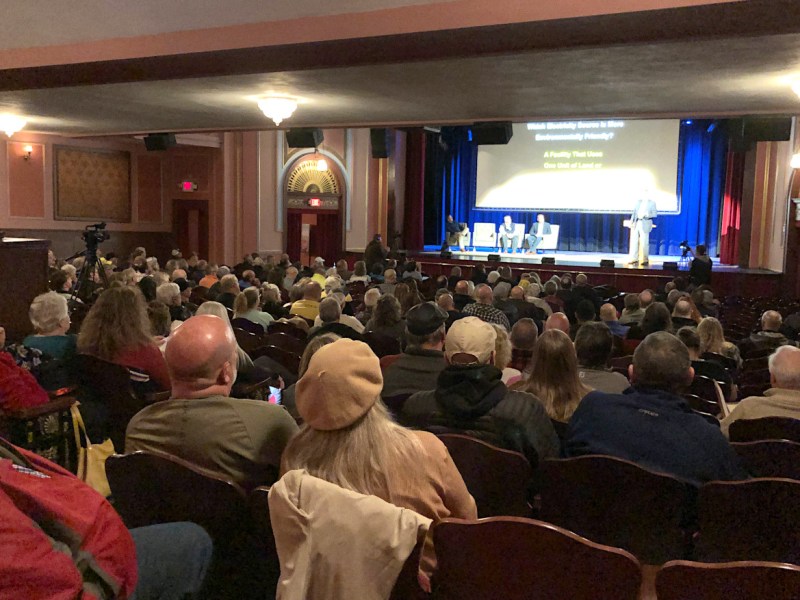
(277, 108)
(11, 124)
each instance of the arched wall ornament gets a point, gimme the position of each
(305, 178)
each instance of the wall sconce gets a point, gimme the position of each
(27, 151)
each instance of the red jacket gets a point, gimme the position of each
(60, 539)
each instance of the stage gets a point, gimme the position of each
(726, 279)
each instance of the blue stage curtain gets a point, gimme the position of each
(450, 188)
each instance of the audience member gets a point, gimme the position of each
(389, 281)
(554, 379)
(462, 297)
(288, 399)
(244, 364)
(470, 395)
(478, 274)
(387, 319)
(524, 309)
(359, 273)
(492, 278)
(584, 313)
(555, 303)
(330, 321)
(502, 356)
(582, 290)
(308, 306)
(455, 277)
(418, 367)
(783, 397)
(712, 340)
(656, 318)
(682, 314)
(228, 290)
(348, 438)
(608, 315)
(593, 347)
(371, 297)
(483, 309)
(246, 306)
(770, 336)
(169, 294)
(407, 297)
(240, 440)
(651, 424)
(646, 298)
(342, 270)
(700, 269)
(705, 368)
(271, 297)
(633, 312)
(160, 323)
(523, 338)
(49, 316)
(557, 320)
(148, 287)
(446, 303)
(412, 271)
(532, 295)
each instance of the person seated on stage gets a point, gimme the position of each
(456, 233)
(781, 400)
(554, 379)
(483, 309)
(700, 269)
(558, 320)
(608, 315)
(533, 295)
(507, 235)
(651, 424)
(770, 336)
(682, 314)
(462, 297)
(633, 312)
(523, 338)
(241, 440)
(537, 232)
(707, 368)
(593, 345)
(470, 396)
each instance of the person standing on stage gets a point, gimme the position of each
(641, 225)
(508, 235)
(538, 230)
(455, 230)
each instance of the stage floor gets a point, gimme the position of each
(582, 259)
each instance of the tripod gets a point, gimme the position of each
(91, 274)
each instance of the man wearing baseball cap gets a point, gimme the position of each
(418, 368)
(471, 396)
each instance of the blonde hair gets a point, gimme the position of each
(712, 337)
(312, 346)
(555, 380)
(117, 321)
(502, 347)
(373, 456)
(246, 300)
(47, 311)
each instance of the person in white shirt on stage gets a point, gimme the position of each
(641, 225)
(538, 230)
(508, 235)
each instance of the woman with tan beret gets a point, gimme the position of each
(350, 439)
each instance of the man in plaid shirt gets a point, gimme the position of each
(483, 309)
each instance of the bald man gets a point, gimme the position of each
(557, 321)
(240, 440)
(782, 399)
(608, 315)
(461, 296)
(770, 336)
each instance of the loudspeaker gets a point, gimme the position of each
(607, 262)
(380, 142)
(304, 137)
(548, 260)
(767, 129)
(492, 133)
(670, 266)
(445, 254)
(159, 141)
(493, 258)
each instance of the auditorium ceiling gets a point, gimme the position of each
(699, 61)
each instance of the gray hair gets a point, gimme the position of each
(533, 290)
(371, 297)
(329, 310)
(168, 293)
(785, 372)
(492, 277)
(501, 290)
(47, 311)
(662, 361)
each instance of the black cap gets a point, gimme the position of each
(182, 283)
(425, 318)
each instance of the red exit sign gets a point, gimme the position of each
(315, 202)
(188, 186)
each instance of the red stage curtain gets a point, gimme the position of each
(731, 209)
(413, 219)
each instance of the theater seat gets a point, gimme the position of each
(679, 580)
(510, 558)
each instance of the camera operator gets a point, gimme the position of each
(700, 269)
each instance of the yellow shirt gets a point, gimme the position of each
(308, 309)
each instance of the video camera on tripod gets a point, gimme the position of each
(94, 235)
(92, 274)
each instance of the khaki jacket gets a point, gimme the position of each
(334, 543)
(776, 402)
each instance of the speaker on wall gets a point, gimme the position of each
(492, 133)
(767, 129)
(445, 254)
(548, 260)
(670, 266)
(493, 258)
(304, 137)
(607, 263)
(380, 140)
(159, 141)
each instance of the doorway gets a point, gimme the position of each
(190, 226)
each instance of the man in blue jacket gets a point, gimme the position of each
(650, 424)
